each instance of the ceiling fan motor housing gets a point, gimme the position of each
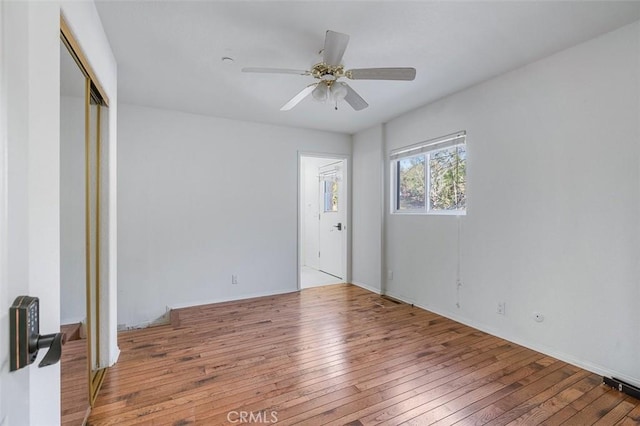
(326, 72)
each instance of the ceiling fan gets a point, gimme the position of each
(330, 70)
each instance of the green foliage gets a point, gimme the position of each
(412, 184)
(448, 179)
(330, 196)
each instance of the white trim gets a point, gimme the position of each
(594, 368)
(4, 296)
(230, 299)
(146, 324)
(424, 149)
(435, 144)
(367, 287)
(346, 176)
(431, 212)
(384, 282)
(73, 320)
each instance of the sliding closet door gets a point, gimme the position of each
(92, 152)
(95, 106)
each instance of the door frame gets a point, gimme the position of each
(347, 191)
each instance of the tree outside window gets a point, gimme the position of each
(447, 177)
(432, 181)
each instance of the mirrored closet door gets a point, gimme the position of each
(83, 109)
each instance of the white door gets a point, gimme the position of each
(29, 201)
(332, 219)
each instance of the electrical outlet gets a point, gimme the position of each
(501, 308)
(390, 275)
(234, 279)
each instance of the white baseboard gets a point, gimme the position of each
(72, 320)
(594, 368)
(231, 299)
(200, 302)
(366, 287)
(319, 285)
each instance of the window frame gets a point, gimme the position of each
(425, 149)
(327, 196)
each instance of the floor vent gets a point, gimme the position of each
(391, 299)
(622, 386)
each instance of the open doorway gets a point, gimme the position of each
(322, 221)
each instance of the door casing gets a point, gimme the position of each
(347, 191)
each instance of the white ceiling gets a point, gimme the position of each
(169, 52)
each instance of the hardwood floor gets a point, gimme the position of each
(74, 378)
(340, 355)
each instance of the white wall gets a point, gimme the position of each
(368, 208)
(4, 282)
(72, 211)
(30, 247)
(202, 198)
(553, 219)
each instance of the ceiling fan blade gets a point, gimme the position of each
(299, 97)
(334, 46)
(276, 71)
(382, 74)
(354, 99)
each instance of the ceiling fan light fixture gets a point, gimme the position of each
(321, 92)
(338, 91)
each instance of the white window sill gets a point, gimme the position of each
(430, 213)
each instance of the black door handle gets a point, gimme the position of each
(54, 343)
(339, 226)
(25, 336)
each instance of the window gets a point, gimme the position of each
(430, 177)
(330, 195)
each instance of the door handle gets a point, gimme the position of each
(339, 226)
(54, 343)
(25, 336)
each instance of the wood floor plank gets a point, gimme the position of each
(541, 412)
(539, 398)
(590, 388)
(74, 379)
(598, 409)
(635, 414)
(618, 413)
(286, 396)
(340, 355)
(513, 382)
(299, 366)
(437, 389)
(319, 391)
